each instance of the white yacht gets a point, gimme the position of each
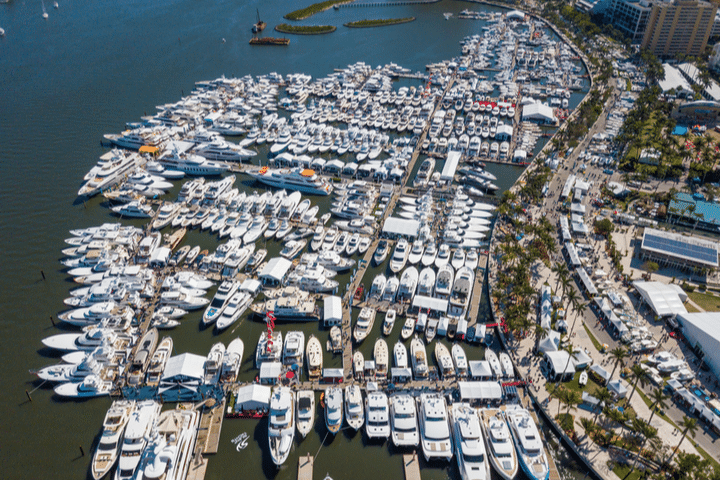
(400, 355)
(389, 322)
(294, 349)
(364, 324)
(214, 362)
(444, 361)
(134, 209)
(498, 442)
(391, 288)
(460, 360)
(418, 355)
(381, 356)
(108, 448)
(179, 299)
(194, 165)
(429, 255)
(403, 421)
(237, 305)
(268, 351)
(300, 179)
(461, 292)
(136, 436)
(492, 358)
(224, 293)
(529, 445)
(400, 255)
(281, 427)
(354, 412)
(232, 361)
(378, 287)
(169, 454)
(443, 256)
(112, 167)
(333, 409)
(91, 386)
(469, 445)
(434, 429)
(416, 253)
(314, 356)
(381, 252)
(220, 150)
(444, 282)
(426, 282)
(305, 412)
(408, 283)
(377, 414)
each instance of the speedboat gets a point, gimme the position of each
(314, 355)
(403, 421)
(381, 252)
(471, 259)
(364, 244)
(224, 293)
(108, 448)
(582, 381)
(364, 324)
(443, 256)
(400, 355)
(305, 414)
(389, 321)
(354, 412)
(333, 409)
(507, 366)
(377, 413)
(418, 355)
(469, 445)
(528, 443)
(281, 427)
(434, 429)
(399, 257)
(498, 442)
(136, 436)
(381, 356)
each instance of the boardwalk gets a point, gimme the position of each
(210, 427)
(305, 467)
(411, 465)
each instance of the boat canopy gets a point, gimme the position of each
(149, 149)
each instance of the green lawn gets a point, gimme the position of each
(709, 303)
(597, 344)
(622, 471)
(690, 308)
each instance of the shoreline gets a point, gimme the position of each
(394, 22)
(288, 32)
(318, 11)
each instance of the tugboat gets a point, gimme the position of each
(260, 25)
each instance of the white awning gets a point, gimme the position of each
(332, 309)
(401, 226)
(252, 397)
(480, 368)
(276, 269)
(424, 303)
(451, 164)
(270, 370)
(480, 390)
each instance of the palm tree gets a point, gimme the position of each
(589, 426)
(647, 432)
(639, 375)
(561, 394)
(658, 398)
(579, 307)
(690, 426)
(571, 350)
(572, 400)
(562, 271)
(540, 333)
(603, 395)
(618, 355)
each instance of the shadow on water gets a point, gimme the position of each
(260, 436)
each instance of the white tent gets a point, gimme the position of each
(275, 271)
(703, 330)
(665, 300)
(252, 397)
(559, 364)
(549, 343)
(480, 390)
(332, 311)
(401, 226)
(538, 112)
(270, 371)
(450, 166)
(582, 359)
(424, 302)
(480, 369)
(618, 388)
(603, 374)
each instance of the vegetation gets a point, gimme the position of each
(379, 22)
(651, 267)
(306, 12)
(604, 227)
(305, 29)
(706, 301)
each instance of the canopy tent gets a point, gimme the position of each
(423, 302)
(400, 374)
(572, 254)
(451, 164)
(401, 227)
(332, 311)
(480, 390)
(582, 359)
(559, 365)
(270, 371)
(252, 397)
(665, 300)
(333, 374)
(275, 270)
(618, 388)
(480, 369)
(601, 373)
(549, 343)
(587, 282)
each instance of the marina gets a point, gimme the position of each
(370, 193)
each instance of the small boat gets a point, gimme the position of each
(354, 412)
(364, 245)
(498, 443)
(389, 321)
(408, 328)
(108, 449)
(314, 355)
(336, 339)
(381, 356)
(460, 359)
(281, 427)
(333, 409)
(582, 381)
(444, 361)
(258, 26)
(378, 287)
(358, 364)
(430, 329)
(458, 258)
(305, 411)
(192, 255)
(529, 445)
(418, 355)
(492, 358)
(416, 253)
(400, 355)
(364, 324)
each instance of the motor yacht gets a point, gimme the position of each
(403, 421)
(443, 256)
(235, 308)
(444, 282)
(529, 445)
(498, 442)
(169, 453)
(91, 386)
(314, 356)
(378, 287)
(281, 427)
(289, 309)
(294, 349)
(469, 445)
(434, 429)
(400, 355)
(108, 448)
(268, 351)
(136, 436)
(389, 321)
(298, 179)
(364, 324)
(408, 328)
(333, 409)
(391, 288)
(111, 169)
(377, 414)
(141, 360)
(354, 412)
(399, 257)
(134, 209)
(222, 297)
(177, 298)
(305, 412)
(213, 363)
(460, 359)
(358, 364)
(381, 252)
(461, 292)
(418, 355)
(507, 366)
(232, 361)
(444, 361)
(382, 358)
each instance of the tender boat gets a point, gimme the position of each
(400, 355)
(418, 355)
(377, 413)
(498, 442)
(354, 412)
(582, 381)
(403, 421)
(281, 427)
(108, 448)
(135, 439)
(434, 429)
(529, 445)
(492, 358)
(382, 358)
(469, 445)
(305, 413)
(381, 252)
(333, 409)
(389, 321)
(314, 355)
(364, 324)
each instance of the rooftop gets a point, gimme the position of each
(680, 246)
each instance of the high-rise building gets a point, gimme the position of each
(679, 26)
(629, 16)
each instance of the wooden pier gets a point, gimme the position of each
(210, 427)
(411, 465)
(305, 467)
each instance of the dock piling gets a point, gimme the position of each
(82, 452)
(52, 320)
(43, 274)
(28, 395)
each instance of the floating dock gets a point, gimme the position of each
(210, 427)
(305, 467)
(411, 465)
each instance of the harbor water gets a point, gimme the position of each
(85, 71)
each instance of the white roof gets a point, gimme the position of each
(270, 369)
(706, 322)
(333, 308)
(538, 111)
(436, 304)
(401, 226)
(480, 390)
(276, 269)
(582, 359)
(250, 285)
(572, 253)
(673, 79)
(506, 129)
(451, 164)
(252, 397)
(618, 387)
(480, 368)
(560, 362)
(665, 300)
(549, 343)
(589, 285)
(184, 366)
